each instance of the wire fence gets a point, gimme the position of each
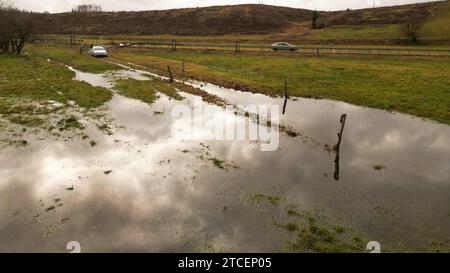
(307, 50)
(56, 41)
(316, 50)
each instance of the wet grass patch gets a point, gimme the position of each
(313, 236)
(206, 97)
(379, 167)
(146, 91)
(140, 90)
(27, 121)
(313, 233)
(35, 93)
(70, 55)
(69, 124)
(259, 198)
(413, 86)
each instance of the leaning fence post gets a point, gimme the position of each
(286, 97)
(170, 74)
(337, 148)
(182, 67)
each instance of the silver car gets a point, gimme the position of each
(98, 51)
(284, 46)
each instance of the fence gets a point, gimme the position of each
(56, 41)
(307, 50)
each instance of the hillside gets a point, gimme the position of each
(381, 27)
(244, 19)
(372, 25)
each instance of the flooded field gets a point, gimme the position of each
(138, 188)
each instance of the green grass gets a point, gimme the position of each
(360, 32)
(418, 87)
(320, 238)
(35, 93)
(70, 55)
(27, 121)
(438, 26)
(263, 198)
(69, 124)
(146, 91)
(35, 79)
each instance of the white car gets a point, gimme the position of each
(284, 46)
(98, 51)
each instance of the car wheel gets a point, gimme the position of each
(275, 49)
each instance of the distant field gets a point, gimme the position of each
(418, 87)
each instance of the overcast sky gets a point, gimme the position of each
(67, 5)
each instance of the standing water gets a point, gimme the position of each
(141, 189)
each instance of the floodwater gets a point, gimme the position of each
(141, 189)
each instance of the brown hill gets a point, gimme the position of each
(380, 16)
(217, 20)
(244, 19)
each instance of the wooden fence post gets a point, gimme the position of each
(337, 148)
(174, 45)
(238, 47)
(170, 74)
(286, 96)
(182, 67)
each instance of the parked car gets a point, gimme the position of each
(284, 46)
(98, 51)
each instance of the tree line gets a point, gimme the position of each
(15, 28)
(87, 8)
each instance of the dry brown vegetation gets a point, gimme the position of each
(380, 16)
(218, 20)
(244, 19)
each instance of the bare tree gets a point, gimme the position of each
(6, 5)
(15, 28)
(88, 8)
(5, 25)
(412, 27)
(314, 20)
(21, 31)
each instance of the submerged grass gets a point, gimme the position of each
(308, 229)
(415, 86)
(35, 93)
(321, 238)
